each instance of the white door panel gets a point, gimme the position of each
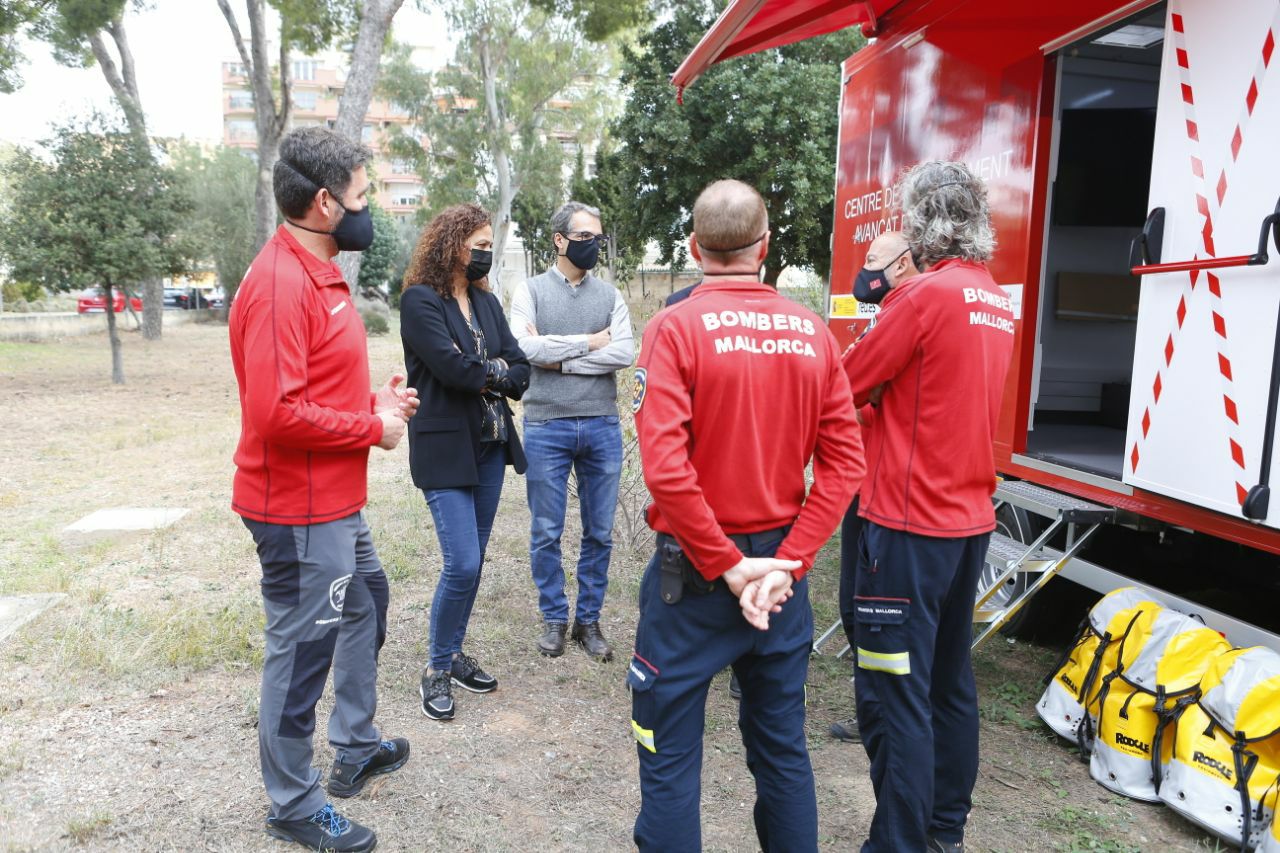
(1202, 360)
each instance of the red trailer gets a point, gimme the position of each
(1131, 155)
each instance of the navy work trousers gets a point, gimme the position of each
(916, 698)
(679, 649)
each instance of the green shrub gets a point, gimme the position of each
(375, 323)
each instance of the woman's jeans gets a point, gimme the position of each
(463, 518)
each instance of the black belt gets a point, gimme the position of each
(678, 573)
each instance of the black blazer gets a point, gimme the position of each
(442, 363)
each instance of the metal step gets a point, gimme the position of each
(1004, 552)
(1050, 504)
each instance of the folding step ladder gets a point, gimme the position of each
(1036, 560)
(1039, 562)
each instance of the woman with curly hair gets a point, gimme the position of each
(464, 361)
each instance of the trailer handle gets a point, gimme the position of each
(1145, 248)
(1258, 501)
(1142, 249)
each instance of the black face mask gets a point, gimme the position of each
(354, 232)
(583, 254)
(479, 265)
(872, 285)
(355, 229)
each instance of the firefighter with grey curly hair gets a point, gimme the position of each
(934, 366)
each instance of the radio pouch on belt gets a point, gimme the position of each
(671, 563)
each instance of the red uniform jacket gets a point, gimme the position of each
(941, 348)
(737, 388)
(306, 412)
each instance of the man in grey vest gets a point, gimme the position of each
(576, 330)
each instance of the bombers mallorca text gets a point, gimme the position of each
(758, 321)
(986, 318)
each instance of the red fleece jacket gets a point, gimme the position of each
(306, 412)
(941, 348)
(737, 389)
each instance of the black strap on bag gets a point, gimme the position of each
(1245, 760)
(1082, 634)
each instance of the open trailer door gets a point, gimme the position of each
(1205, 335)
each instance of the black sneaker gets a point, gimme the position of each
(468, 675)
(847, 731)
(735, 689)
(437, 695)
(936, 846)
(326, 830)
(347, 780)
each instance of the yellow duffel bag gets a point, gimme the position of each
(1137, 702)
(1226, 748)
(1072, 687)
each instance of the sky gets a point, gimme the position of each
(179, 47)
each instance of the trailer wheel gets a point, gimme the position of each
(1052, 613)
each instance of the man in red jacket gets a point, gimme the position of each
(937, 358)
(308, 420)
(737, 390)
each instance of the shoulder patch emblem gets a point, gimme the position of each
(638, 386)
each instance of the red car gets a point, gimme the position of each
(93, 301)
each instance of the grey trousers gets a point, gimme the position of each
(325, 597)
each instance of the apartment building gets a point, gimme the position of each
(317, 86)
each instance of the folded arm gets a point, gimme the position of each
(542, 350)
(619, 353)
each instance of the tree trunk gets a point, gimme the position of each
(362, 78)
(124, 85)
(269, 120)
(117, 356)
(496, 131)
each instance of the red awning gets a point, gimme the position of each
(747, 26)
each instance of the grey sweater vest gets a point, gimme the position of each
(562, 309)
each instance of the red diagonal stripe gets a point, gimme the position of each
(1177, 24)
(1146, 422)
(1237, 452)
(1215, 286)
(1206, 234)
(1230, 406)
(1224, 365)
(1219, 324)
(1202, 204)
(1192, 130)
(1268, 46)
(1197, 168)
(1195, 275)
(1157, 387)
(1182, 310)
(1187, 94)
(1241, 493)
(1133, 457)
(1168, 350)
(1236, 141)
(1252, 97)
(1222, 186)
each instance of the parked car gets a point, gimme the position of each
(92, 301)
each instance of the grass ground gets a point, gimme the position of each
(129, 711)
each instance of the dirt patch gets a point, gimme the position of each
(129, 711)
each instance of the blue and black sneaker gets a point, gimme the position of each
(326, 830)
(347, 780)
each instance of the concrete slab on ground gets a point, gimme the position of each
(127, 518)
(18, 610)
